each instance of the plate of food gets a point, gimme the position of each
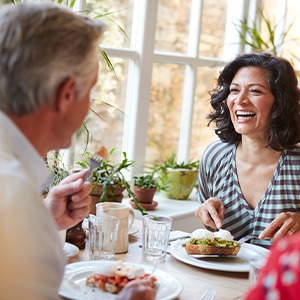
(70, 250)
(218, 252)
(87, 280)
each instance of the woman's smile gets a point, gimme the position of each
(250, 101)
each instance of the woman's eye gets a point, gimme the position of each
(255, 91)
(234, 91)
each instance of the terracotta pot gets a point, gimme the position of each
(144, 195)
(96, 193)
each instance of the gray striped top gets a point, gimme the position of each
(218, 178)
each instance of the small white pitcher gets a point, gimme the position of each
(123, 213)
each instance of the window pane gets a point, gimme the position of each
(105, 121)
(291, 49)
(172, 26)
(212, 28)
(201, 134)
(165, 110)
(118, 19)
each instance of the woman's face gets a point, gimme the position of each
(250, 102)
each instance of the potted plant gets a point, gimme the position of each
(144, 188)
(176, 179)
(56, 168)
(109, 182)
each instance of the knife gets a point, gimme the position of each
(197, 256)
(179, 238)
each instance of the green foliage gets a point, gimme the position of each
(58, 174)
(110, 175)
(56, 168)
(252, 35)
(145, 181)
(163, 181)
(171, 162)
(67, 2)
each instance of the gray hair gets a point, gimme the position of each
(41, 45)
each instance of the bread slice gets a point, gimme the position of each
(211, 249)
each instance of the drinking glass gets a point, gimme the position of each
(256, 264)
(156, 232)
(124, 214)
(103, 233)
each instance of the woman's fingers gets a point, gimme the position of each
(211, 213)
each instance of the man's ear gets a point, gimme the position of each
(65, 95)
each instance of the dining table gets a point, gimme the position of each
(195, 280)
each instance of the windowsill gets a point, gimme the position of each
(181, 211)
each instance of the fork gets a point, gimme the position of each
(209, 294)
(95, 162)
(154, 268)
(250, 237)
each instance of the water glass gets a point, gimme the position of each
(156, 232)
(103, 233)
(256, 264)
(124, 214)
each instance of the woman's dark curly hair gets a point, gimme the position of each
(284, 116)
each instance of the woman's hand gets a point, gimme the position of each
(69, 201)
(286, 223)
(211, 213)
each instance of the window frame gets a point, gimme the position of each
(142, 56)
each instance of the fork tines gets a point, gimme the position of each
(209, 294)
(95, 162)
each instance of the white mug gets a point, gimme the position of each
(123, 213)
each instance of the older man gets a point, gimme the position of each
(48, 66)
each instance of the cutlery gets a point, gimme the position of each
(179, 238)
(198, 256)
(154, 268)
(209, 294)
(95, 162)
(250, 237)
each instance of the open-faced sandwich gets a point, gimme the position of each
(206, 242)
(112, 276)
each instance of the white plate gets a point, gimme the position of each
(239, 263)
(132, 230)
(73, 284)
(70, 250)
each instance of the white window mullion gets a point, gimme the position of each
(120, 52)
(235, 14)
(79, 5)
(252, 14)
(139, 81)
(280, 24)
(189, 82)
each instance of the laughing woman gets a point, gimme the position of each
(249, 181)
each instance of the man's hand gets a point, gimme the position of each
(137, 290)
(286, 223)
(211, 213)
(69, 201)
